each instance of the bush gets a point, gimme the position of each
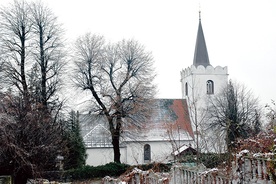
(111, 169)
(210, 160)
(88, 172)
(156, 167)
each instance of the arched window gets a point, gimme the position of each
(147, 155)
(210, 87)
(186, 89)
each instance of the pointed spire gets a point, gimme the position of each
(201, 54)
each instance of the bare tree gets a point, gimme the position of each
(119, 77)
(48, 52)
(197, 111)
(32, 52)
(235, 111)
(197, 116)
(16, 30)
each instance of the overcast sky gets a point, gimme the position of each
(240, 34)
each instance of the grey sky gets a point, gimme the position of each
(240, 34)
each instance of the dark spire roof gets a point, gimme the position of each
(201, 53)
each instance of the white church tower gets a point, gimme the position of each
(200, 82)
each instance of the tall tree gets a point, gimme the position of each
(33, 51)
(235, 110)
(47, 51)
(31, 55)
(119, 77)
(16, 30)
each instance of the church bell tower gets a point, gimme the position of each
(201, 80)
(200, 83)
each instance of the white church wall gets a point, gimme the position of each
(160, 152)
(133, 153)
(102, 155)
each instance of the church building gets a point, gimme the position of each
(174, 125)
(166, 134)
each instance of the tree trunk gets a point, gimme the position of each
(115, 133)
(20, 178)
(116, 146)
(43, 67)
(22, 72)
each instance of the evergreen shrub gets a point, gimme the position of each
(210, 160)
(156, 167)
(89, 172)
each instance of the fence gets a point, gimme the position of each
(198, 175)
(256, 169)
(245, 170)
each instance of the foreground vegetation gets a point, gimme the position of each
(90, 172)
(113, 169)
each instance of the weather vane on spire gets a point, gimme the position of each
(199, 12)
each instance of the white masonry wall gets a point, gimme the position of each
(102, 155)
(133, 153)
(196, 77)
(197, 99)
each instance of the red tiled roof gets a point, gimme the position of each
(180, 107)
(168, 116)
(171, 113)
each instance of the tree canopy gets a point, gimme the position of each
(120, 78)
